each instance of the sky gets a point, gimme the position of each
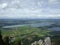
(29, 8)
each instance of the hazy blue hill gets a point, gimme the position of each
(4, 22)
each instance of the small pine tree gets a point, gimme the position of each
(1, 40)
(7, 40)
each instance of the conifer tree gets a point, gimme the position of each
(1, 40)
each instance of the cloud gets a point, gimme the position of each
(30, 13)
(54, 4)
(54, 1)
(31, 16)
(3, 5)
(30, 9)
(51, 1)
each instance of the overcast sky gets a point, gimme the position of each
(29, 8)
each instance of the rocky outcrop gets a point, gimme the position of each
(46, 41)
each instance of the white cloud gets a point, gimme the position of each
(29, 13)
(29, 9)
(31, 16)
(3, 5)
(53, 1)
(15, 1)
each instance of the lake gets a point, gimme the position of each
(54, 29)
(36, 25)
(33, 25)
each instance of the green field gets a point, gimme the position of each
(26, 34)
